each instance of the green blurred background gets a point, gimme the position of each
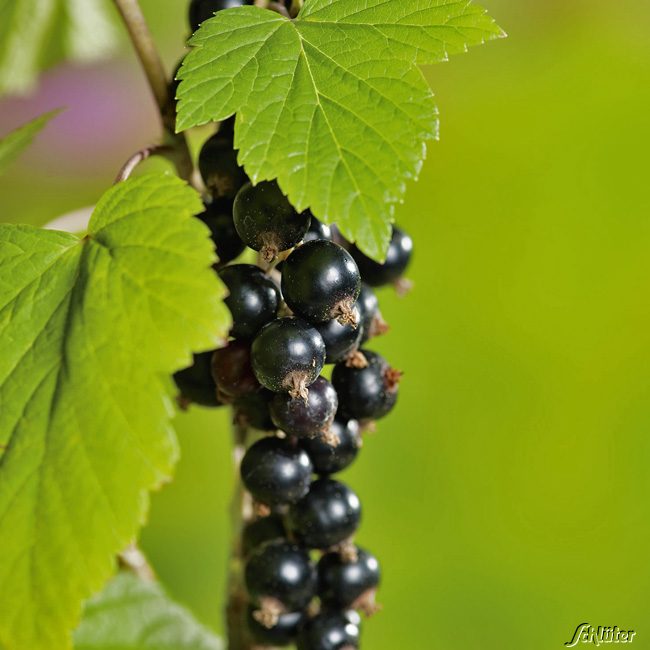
(508, 495)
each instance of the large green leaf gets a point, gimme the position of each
(332, 104)
(131, 614)
(13, 144)
(90, 330)
(37, 33)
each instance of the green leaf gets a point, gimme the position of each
(90, 330)
(35, 34)
(131, 614)
(12, 145)
(332, 104)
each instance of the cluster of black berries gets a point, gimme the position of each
(308, 303)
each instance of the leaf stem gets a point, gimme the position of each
(145, 47)
(138, 157)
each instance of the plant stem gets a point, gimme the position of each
(151, 62)
(240, 512)
(138, 157)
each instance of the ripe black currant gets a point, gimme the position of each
(321, 281)
(317, 230)
(232, 370)
(218, 218)
(349, 584)
(288, 356)
(262, 530)
(330, 459)
(196, 384)
(219, 168)
(328, 515)
(398, 257)
(310, 418)
(331, 630)
(372, 322)
(276, 471)
(366, 393)
(280, 578)
(253, 299)
(201, 10)
(253, 410)
(266, 221)
(341, 340)
(283, 633)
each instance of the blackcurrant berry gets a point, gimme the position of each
(321, 281)
(253, 299)
(253, 410)
(341, 340)
(280, 578)
(218, 218)
(349, 584)
(196, 384)
(366, 393)
(317, 230)
(288, 355)
(201, 10)
(310, 418)
(372, 322)
(283, 633)
(327, 516)
(266, 221)
(262, 530)
(276, 471)
(398, 257)
(330, 459)
(232, 370)
(219, 168)
(331, 630)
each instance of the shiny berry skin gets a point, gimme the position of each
(218, 218)
(331, 630)
(317, 230)
(276, 471)
(253, 299)
(398, 257)
(309, 418)
(283, 633)
(366, 393)
(329, 459)
(340, 340)
(371, 321)
(196, 384)
(343, 584)
(266, 221)
(288, 355)
(321, 281)
(222, 175)
(201, 10)
(262, 530)
(328, 515)
(282, 572)
(253, 410)
(232, 370)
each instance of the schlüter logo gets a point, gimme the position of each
(600, 635)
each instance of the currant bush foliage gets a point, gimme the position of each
(12, 145)
(332, 104)
(80, 30)
(131, 614)
(90, 330)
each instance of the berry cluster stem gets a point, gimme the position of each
(236, 600)
(175, 148)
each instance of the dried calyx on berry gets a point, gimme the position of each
(222, 174)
